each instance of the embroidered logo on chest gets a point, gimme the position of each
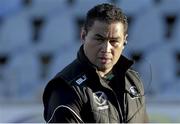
(100, 99)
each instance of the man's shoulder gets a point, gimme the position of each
(70, 72)
(66, 76)
(62, 79)
(133, 73)
(135, 79)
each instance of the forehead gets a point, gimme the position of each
(107, 28)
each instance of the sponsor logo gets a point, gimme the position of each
(81, 79)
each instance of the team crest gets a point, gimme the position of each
(100, 99)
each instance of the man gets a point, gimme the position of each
(98, 86)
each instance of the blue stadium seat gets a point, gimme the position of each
(15, 32)
(57, 33)
(46, 7)
(169, 6)
(82, 6)
(23, 76)
(175, 40)
(9, 7)
(163, 67)
(137, 7)
(63, 57)
(147, 31)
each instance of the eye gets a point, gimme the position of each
(99, 39)
(114, 42)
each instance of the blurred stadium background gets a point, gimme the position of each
(39, 37)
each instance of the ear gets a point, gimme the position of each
(83, 35)
(125, 39)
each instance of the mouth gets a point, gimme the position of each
(104, 60)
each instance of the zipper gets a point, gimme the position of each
(117, 102)
(107, 87)
(119, 108)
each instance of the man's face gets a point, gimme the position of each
(103, 44)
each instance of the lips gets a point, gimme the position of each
(104, 60)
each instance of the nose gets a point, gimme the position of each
(106, 47)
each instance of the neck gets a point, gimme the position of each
(103, 73)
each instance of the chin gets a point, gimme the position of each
(104, 67)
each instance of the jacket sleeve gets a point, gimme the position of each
(62, 104)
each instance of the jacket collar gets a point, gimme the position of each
(123, 63)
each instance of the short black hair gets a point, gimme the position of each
(105, 12)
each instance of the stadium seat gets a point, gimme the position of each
(57, 33)
(137, 7)
(46, 7)
(162, 63)
(147, 30)
(15, 32)
(63, 57)
(22, 75)
(169, 6)
(81, 7)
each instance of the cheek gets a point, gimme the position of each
(91, 51)
(94, 51)
(117, 53)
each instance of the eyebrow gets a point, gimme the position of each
(100, 36)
